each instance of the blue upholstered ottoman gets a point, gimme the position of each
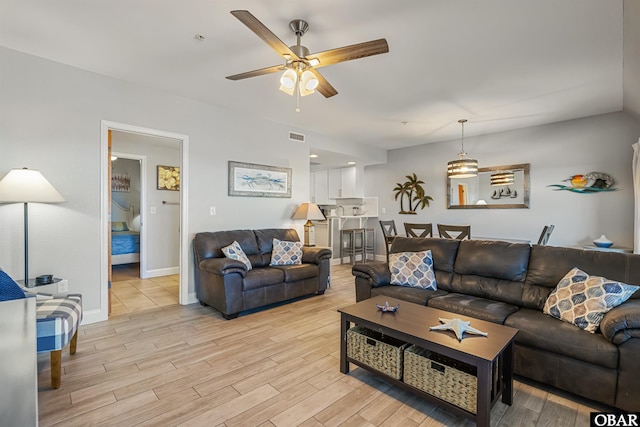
(57, 325)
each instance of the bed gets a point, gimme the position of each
(125, 242)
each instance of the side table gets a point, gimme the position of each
(59, 286)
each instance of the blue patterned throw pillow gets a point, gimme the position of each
(413, 269)
(9, 290)
(583, 300)
(234, 251)
(286, 253)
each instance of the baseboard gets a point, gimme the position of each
(192, 298)
(160, 272)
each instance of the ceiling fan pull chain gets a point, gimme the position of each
(298, 97)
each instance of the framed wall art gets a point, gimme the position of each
(252, 180)
(120, 182)
(168, 178)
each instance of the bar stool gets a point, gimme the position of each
(369, 244)
(355, 244)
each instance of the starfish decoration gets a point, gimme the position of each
(457, 326)
(388, 308)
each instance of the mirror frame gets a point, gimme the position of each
(525, 167)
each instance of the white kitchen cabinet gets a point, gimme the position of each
(335, 183)
(320, 193)
(348, 182)
(342, 183)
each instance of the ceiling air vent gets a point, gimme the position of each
(293, 136)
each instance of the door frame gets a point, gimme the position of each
(105, 185)
(143, 202)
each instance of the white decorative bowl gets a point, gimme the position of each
(603, 242)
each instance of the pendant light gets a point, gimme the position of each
(463, 167)
(503, 178)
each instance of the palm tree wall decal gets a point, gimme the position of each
(414, 192)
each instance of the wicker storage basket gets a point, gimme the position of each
(371, 348)
(441, 376)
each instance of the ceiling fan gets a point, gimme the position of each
(300, 68)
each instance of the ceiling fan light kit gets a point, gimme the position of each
(300, 75)
(463, 167)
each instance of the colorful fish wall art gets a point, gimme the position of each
(592, 182)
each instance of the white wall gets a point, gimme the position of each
(162, 229)
(555, 152)
(631, 70)
(50, 116)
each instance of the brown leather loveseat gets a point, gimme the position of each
(509, 284)
(226, 284)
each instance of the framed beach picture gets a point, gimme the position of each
(252, 180)
(168, 178)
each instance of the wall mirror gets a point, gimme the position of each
(497, 187)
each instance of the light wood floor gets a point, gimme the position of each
(129, 293)
(185, 365)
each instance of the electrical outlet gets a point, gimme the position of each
(152, 210)
(63, 286)
(212, 210)
(384, 211)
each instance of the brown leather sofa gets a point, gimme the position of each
(226, 285)
(509, 284)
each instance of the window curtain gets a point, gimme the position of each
(636, 192)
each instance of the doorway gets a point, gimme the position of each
(133, 286)
(180, 275)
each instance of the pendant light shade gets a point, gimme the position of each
(503, 178)
(463, 167)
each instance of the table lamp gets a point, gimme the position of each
(27, 186)
(309, 211)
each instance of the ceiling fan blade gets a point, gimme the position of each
(265, 34)
(348, 53)
(324, 87)
(256, 73)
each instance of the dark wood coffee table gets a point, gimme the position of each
(411, 324)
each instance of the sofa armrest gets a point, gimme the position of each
(622, 323)
(313, 255)
(377, 273)
(223, 266)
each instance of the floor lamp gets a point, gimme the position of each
(27, 186)
(309, 211)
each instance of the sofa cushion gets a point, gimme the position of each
(286, 253)
(548, 264)
(234, 251)
(500, 260)
(537, 330)
(413, 269)
(261, 277)
(480, 308)
(583, 300)
(210, 244)
(293, 273)
(443, 253)
(265, 238)
(404, 293)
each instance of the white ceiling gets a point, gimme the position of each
(501, 64)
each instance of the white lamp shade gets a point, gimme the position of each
(27, 186)
(308, 211)
(308, 82)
